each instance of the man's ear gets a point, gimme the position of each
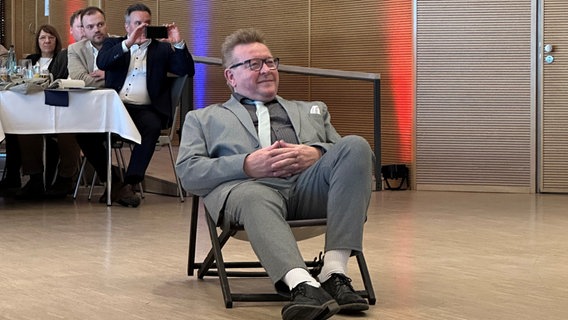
(230, 77)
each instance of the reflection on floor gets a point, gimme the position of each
(432, 255)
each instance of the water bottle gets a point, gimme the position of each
(11, 63)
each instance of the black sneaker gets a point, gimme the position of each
(339, 287)
(309, 303)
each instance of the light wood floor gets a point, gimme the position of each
(432, 255)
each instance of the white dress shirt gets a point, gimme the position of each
(134, 90)
(95, 54)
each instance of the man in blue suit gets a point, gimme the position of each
(291, 165)
(137, 68)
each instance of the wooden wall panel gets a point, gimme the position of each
(370, 37)
(367, 36)
(60, 12)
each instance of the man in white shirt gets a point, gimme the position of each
(137, 68)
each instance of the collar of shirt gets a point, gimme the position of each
(280, 125)
(246, 101)
(95, 54)
(140, 47)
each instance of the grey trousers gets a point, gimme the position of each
(338, 187)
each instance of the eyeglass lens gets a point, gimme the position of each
(256, 64)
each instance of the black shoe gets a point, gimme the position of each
(339, 287)
(61, 188)
(9, 186)
(127, 197)
(33, 190)
(309, 303)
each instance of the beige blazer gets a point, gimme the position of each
(81, 61)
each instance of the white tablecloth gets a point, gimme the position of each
(88, 111)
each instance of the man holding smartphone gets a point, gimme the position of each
(137, 67)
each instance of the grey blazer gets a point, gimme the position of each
(81, 61)
(216, 140)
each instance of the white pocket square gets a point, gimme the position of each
(315, 110)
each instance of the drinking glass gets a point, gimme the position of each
(27, 69)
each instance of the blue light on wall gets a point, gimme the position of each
(200, 32)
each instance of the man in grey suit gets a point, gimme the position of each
(306, 170)
(82, 55)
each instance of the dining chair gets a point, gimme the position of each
(177, 85)
(116, 145)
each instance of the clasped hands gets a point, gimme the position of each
(98, 74)
(281, 159)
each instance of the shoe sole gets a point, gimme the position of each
(310, 312)
(353, 308)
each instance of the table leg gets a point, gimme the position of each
(109, 170)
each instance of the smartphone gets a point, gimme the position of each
(156, 32)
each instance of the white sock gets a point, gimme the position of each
(298, 275)
(334, 261)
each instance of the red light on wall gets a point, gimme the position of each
(399, 51)
(69, 9)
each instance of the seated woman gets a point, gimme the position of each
(48, 47)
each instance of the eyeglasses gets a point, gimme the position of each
(92, 26)
(257, 63)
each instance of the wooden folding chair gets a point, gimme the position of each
(214, 264)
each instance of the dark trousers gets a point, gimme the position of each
(32, 154)
(13, 158)
(149, 124)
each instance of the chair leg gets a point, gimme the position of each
(191, 266)
(216, 249)
(141, 190)
(79, 177)
(178, 182)
(369, 291)
(92, 185)
(217, 242)
(120, 163)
